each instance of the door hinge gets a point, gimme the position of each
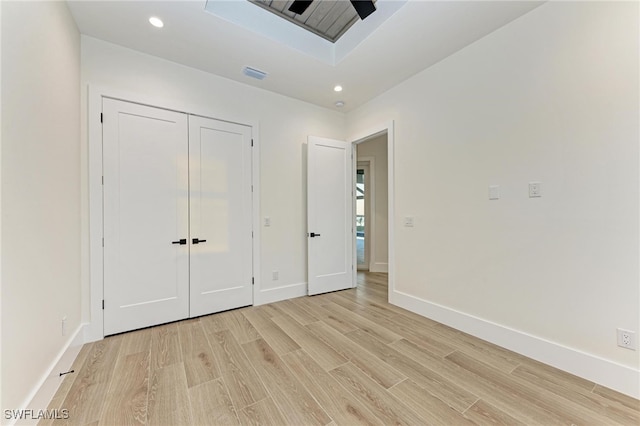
(101, 118)
(102, 303)
(251, 188)
(253, 281)
(251, 142)
(102, 241)
(102, 180)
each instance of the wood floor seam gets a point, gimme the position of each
(399, 383)
(446, 355)
(514, 368)
(469, 407)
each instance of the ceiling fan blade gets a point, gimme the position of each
(364, 8)
(299, 6)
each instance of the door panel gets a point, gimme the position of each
(220, 187)
(329, 205)
(146, 277)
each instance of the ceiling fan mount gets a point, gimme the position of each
(363, 8)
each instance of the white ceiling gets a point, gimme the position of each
(418, 35)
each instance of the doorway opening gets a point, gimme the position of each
(363, 214)
(372, 197)
(331, 210)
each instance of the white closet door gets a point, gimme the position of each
(221, 228)
(146, 275)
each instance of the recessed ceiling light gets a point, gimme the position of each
(338, 88)
(156, 22)
(340, 104)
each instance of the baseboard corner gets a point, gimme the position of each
(43, 392)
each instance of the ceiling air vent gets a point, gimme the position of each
(254, 73)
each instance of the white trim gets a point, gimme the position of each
(255, 180)
(95, 328)
(370, 209)
(604, 372)
(377, 130)
(44, 390)
(354, 243)
(379, 267)
(165, 103)
(277, 294)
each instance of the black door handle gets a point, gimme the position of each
(313, 234)
(181, 241)
(196, 241)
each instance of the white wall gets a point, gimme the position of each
(284, 125)
(550, 97)
(40, 187)
(1, 405)
(377, 148)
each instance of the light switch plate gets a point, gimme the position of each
(408, 221)
(267, 221)
(494, 192)
(535, 189)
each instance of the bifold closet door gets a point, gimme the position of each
(220, 216)
(146, 216)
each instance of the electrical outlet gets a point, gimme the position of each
(626, 339)
(275, 275)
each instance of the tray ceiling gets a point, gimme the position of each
(416, 36)
(329, 19)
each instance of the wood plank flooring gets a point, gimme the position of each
(343, 358)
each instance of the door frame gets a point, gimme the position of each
(369, 209)
(364, 136)
(91, 188)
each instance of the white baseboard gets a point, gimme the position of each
(43, 392)
(277, 294)
(607, 373)
(93, 331)
(379, 267)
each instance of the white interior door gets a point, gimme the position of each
(329, 215)
(221, 227)
(146, 213)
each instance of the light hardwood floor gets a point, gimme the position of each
(342, 358)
